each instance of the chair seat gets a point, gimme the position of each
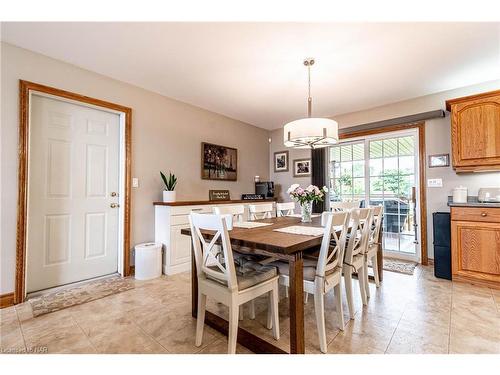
(249, 274)
(309, 271)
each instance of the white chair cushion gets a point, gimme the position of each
(309, 271)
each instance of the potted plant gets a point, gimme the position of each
(170, 182)
(306, 197)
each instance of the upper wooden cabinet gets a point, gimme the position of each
(475, 132)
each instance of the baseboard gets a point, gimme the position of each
(172, 270)
(6, 300)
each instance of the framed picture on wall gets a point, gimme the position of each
(281, 161)
(218, 162)
(301, 167)
(440, 160)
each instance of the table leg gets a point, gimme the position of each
(194, 285)
(296, 295)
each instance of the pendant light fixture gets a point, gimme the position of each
(311, 132)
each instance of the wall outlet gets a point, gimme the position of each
(435, 182)
(135, 182)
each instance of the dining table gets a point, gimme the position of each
(266, 241)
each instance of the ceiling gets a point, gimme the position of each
(253, 72)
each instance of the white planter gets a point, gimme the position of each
(168, 196)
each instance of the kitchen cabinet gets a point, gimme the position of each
(475, 132)
(475, 245)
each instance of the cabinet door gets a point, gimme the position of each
(476, 250)
(180, 245)
(476, 133)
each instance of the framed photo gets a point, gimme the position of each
(281, 161)
(218, 162)
(301, 167)
(439, 160)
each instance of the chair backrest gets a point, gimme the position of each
(208, 263)
(284, 209)
(237, 211)
(378, 213)
(331, 253)
(343, 206)
(261, 211)
(360, 226)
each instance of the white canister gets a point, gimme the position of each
(460, 194)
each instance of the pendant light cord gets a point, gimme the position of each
(309, 99)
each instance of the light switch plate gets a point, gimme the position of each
(435, 182)
(135, 182)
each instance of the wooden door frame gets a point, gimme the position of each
(420, 126)
(25, 88)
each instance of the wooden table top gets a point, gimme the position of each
(267, 239)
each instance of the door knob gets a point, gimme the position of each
(114, 194)
(114, 205)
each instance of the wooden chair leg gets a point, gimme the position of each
(366, 282)
(348, 291)
(275, 312)
(233, 327)
(286, 291)
(362, 287)
(200, 321)
(375, 270)
(338, 305)
(252, 309)
(269, 323)
(319, 309)
(240, 314)
(306, 298)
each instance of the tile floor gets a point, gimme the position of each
(407, 314)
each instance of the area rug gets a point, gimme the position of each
(400, 266)
(77, 295)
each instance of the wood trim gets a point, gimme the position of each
(6, 300)
(200, 203)
(25, 87)
(464, 99)
(421, 168)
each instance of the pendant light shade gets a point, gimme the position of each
(311, 132)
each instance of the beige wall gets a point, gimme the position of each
(166, 135)
(437, 141)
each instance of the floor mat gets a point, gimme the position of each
(77, 295)
(400, 266)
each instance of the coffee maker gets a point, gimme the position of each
(266, 188)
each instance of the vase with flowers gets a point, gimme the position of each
(306, 197)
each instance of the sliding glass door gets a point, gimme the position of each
(381, 170)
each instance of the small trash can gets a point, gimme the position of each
(148, 261)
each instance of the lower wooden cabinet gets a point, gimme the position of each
(475, 245)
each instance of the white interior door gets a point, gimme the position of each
(74, 179)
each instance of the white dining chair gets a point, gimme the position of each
(373, 246)
(240, 255)
(360, 226)
(343, 206)
(285, 209)
(226, 284)
(325, 273)
(261, 211)
(236, 211)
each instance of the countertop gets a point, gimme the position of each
(473, 202)
(197, 203)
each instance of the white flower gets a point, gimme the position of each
(310, 188)
(325, 189)
(292, 188)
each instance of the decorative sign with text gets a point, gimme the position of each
(218, 195)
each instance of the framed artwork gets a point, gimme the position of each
(301, 167)
(439, 160)
(218, 162)
(281, 161)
